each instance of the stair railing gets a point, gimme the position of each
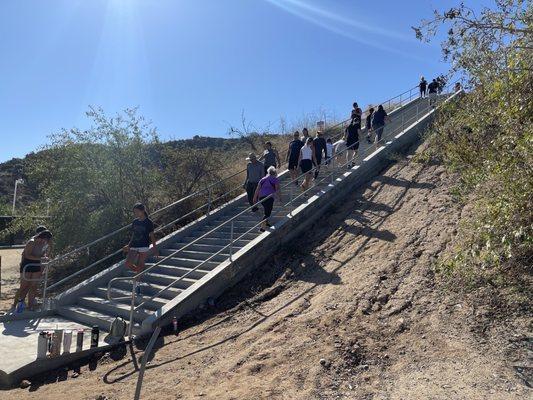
(135, 279)
(395, 102)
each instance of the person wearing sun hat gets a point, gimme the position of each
(255, 170)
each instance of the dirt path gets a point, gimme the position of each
(351, 311)
(10, 277)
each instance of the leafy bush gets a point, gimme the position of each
(487, 138)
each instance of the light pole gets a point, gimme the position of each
(17, 182)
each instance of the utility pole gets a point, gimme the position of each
(17, 182)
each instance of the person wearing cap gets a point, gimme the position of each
(34, 254)
(293, 154)
(254, 172)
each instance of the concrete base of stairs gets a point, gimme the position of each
(18, 345)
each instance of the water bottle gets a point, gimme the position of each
(42, 345)
(20, 307)
(95, 333)
(55, 349)
(175, 325)
(67, 341)
(79, 340)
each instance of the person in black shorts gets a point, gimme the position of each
(306, 161)
(293, 154)
(35, 252)
(320, 150)
(356, 115)
(378, 123)
(368, 124)
(423, 86)
(138, 248)
(351, 137)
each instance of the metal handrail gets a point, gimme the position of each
(197, 239)
(208, 204)
(138, 275)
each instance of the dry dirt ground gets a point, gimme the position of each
(353, 310)
(10, 277)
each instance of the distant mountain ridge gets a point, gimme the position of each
(16, 168)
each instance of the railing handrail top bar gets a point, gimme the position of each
(61, 257)
(134, 277)
(214, 229)
(182, 200)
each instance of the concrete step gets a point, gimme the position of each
(115, 309)
(164, 280)
(194, 254)
(176, 271)
(153, 304)
(181, 261)
(237, 230)
(217, 241)
(208, 248)
(226, 234)
(150, 289)
(89, 317)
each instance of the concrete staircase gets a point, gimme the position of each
(87, 302)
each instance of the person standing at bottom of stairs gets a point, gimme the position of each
(254, 173)
(267, 188)
(138, 249)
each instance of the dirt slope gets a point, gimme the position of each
(351, 311)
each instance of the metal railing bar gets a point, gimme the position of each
(373, 147)
(208, 204)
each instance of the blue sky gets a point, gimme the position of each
(192, 66)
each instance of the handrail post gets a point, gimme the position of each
(231, 244)
(132, 307)
(45, 285)
(209, 201)
(292, 191)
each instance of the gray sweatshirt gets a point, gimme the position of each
(255, 171)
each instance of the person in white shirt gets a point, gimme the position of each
(306, 161)
(329, 151)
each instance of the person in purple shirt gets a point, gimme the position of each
(267, 188)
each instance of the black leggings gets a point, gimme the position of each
(250, 191)
(268, 204)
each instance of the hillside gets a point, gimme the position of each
(353, 310)
(17, 167)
